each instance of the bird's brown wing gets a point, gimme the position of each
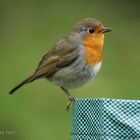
(55, 60)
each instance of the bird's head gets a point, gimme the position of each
(92, 31)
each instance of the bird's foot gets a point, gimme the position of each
(71, 99)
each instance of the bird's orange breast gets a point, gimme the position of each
(93, 48)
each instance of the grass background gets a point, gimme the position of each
(28, 29)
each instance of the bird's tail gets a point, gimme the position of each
(28, 80)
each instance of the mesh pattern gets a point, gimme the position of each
(106, 119)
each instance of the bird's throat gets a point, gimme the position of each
(93, 48)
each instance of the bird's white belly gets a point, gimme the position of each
(75, 75)
(97, 68)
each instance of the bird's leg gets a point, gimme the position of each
(71, 99)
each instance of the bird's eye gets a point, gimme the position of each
(91, 30)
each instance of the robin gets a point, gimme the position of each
(74, 60)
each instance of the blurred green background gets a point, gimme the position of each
(28, 29)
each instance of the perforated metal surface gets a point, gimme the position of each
(106, 119)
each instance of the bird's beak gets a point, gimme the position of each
(106, 29)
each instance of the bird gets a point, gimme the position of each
(74, 60)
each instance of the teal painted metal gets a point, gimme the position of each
(106, 119)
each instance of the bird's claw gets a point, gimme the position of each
(71, 99)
